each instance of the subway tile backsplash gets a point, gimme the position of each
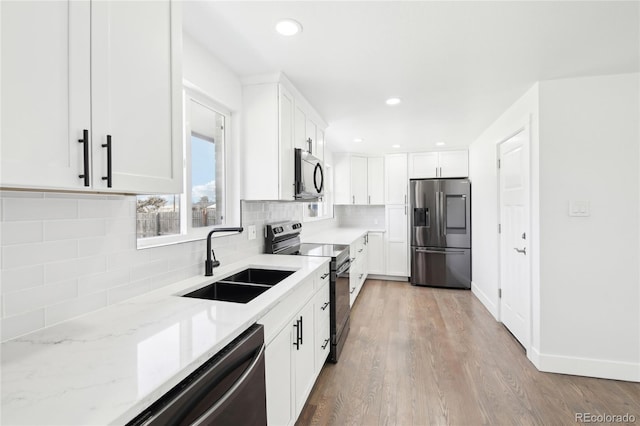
(65, 255)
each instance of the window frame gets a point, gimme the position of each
(188, 233)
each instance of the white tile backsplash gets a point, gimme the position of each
(361, 216)
(66, 254)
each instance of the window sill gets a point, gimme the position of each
(153, 242)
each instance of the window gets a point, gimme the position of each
(165, 219)
(322, 209)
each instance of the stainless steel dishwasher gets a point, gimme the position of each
(229, 389)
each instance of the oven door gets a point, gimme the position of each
(340, 310)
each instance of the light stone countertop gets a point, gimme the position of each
(108, 366)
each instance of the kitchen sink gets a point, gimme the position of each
(229, 292)
(241, 287)
(259, 276)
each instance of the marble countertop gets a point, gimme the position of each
(108, 366)
(337, 235)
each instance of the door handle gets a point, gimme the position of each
(108, 177)
(418, 250)
(324, 276)
(85, 142)
(325, 305)
(354, 199)
(326, 342)
(352, 290)
(521, 251)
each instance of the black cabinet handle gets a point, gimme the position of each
(310, 142)
(325, 306)
(109, 169)
(324, 276)
(360, 251)
(301, 329)
(326, 342)
(85, 141)
(352, 290)
(297, 342)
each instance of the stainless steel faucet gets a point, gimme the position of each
(210, 264)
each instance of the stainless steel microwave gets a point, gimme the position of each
(309, 176)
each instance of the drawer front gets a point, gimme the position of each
(280, 314)
(323, 344)
(322, 307)
(322, 277)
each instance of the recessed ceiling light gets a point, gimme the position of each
(439, 143)
(393, 101)
(395, 146)
(357, 140)
(288, 27)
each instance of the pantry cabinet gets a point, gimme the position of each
(396, 181)
(443, 164)
(365, 178)
(96, 102)
(397, 247)
(276, 120)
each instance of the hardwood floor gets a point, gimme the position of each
(427, 356)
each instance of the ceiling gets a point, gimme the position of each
(456, 65)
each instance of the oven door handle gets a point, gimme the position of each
(344, 268)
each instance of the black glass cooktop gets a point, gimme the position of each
(327, 250)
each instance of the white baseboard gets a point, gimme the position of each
(485, 300)
(386, 277)
(603, 369)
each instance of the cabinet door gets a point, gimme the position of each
(397, 247)
(319, 151)
(423, 165)
(375, 255)
(311, 136)
(322, 342)
(45, 93)
(359, 180)
(136, 89)
(354, 274)
(300, 128)
(375, 184)
(396, 179)
(454, 164)
(304, 357)
(286, 116)
(278, 378)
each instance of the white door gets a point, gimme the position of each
(286, 115)
(359, 180)
(304, 356)
(396, 237)
(136, 88)
(453, 164)
(46, 102)
(515, 250)
(375, 183)
(278, 378)
(376, 257)
(395, 177)
(300, 129)
(423, 165)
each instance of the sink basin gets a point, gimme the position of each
(229, 292)
(241, 287)
(259, 276)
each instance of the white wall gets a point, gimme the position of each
(589, 143)
(585, 277)
(484, 189)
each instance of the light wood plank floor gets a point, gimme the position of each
(427, 356)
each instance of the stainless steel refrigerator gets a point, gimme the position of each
(441, 232)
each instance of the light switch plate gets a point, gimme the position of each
(251, 230)
(579, 208)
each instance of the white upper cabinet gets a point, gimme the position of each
(136, 88)
(375, 180)
(444, 164)
(110, 70)
(396, 181)
(361, 178)
(46, 90)
(276, 119)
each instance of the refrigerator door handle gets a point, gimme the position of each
(443, 212)
(431, 251)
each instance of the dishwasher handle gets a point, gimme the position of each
(241, 380)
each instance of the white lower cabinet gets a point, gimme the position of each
(397, 249)
(295, 329)
(321, 305)
(375, 254)
(278, 378)
(358, 269)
